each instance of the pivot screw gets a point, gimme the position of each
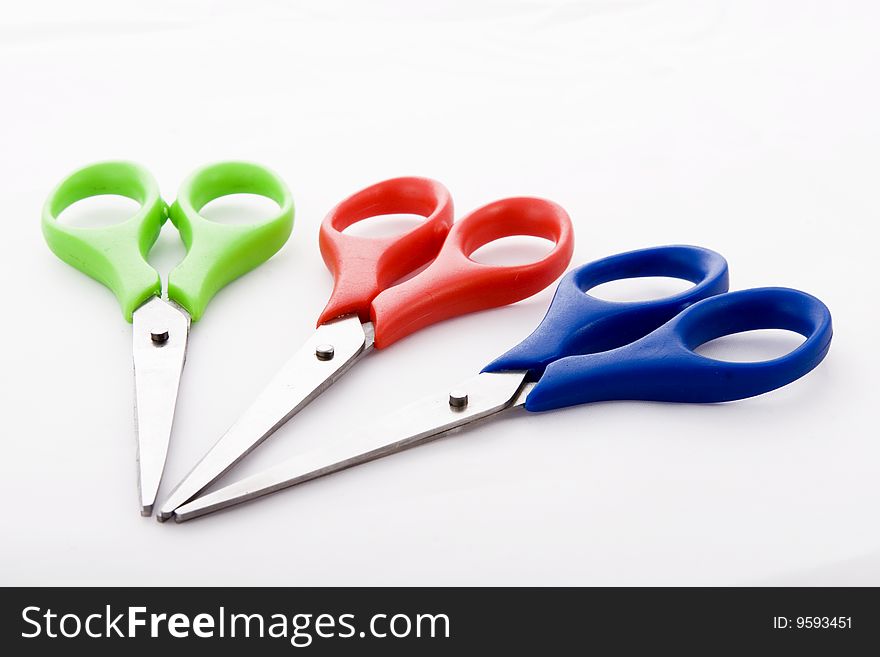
(159, 336)
(458, 399)
(324, 352)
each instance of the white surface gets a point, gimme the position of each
(748, 127)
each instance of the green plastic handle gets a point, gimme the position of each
(217, 254)
(112, 255)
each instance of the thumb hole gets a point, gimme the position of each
(99, 211)
(645, 288)
(240, 209)
(384, 225)
(751, 346)
(513, 250)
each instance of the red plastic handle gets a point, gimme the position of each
(455, 285)
(364, 266)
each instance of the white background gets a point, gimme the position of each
(747, 127)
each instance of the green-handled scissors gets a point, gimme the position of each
(116, 256)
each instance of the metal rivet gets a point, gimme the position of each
(458, 399)
(159, 336)
(324, 352)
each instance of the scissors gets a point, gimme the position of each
(366, 308)
(588, 350)
(116, 256)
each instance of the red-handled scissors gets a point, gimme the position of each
(367, 309)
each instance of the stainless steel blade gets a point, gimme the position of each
(475, 399)
(159, 330)
(326, 356)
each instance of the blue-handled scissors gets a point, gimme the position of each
(587, 350)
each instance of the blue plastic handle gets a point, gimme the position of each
(662, 366)
(577, 323)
